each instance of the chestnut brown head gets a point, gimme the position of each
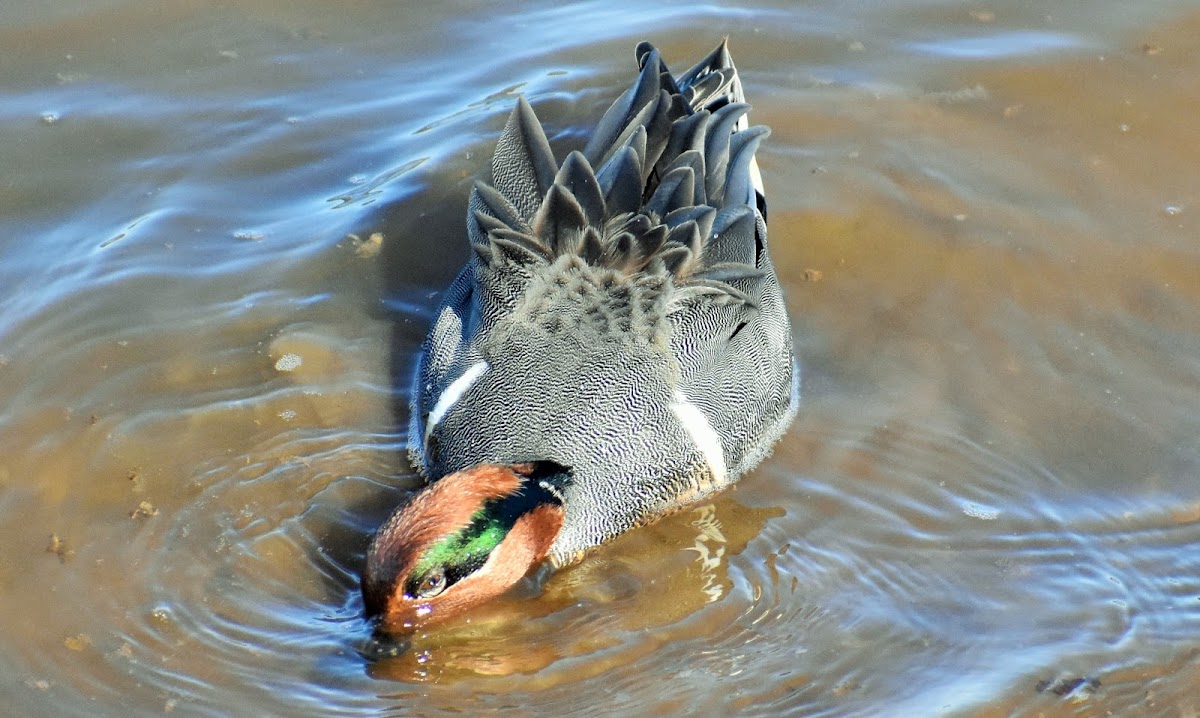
(460, 542)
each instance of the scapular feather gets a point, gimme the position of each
(702, 215)
(716, 62)
(517, 248)
(733, 237)
(487, 222)
(676, 259)
(693, 159)
(674, 191)
(527, 242)
(709, 87)
(621, 181)
(598, 151)
(649, 243)
(560, 221)
(729, 272)
(687, 133)
(717, 148)
(739, 185)
(523, 167)
(498, 206)
(635, 102)
(687, 235)
(577, 177)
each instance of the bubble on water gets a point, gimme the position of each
(161, 615)
(50, 118)
(979, 511)
(289, 362)
(249, 234)
(287, 414)
(1173, 210)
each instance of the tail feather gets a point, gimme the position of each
(577, 177)
(667, 184)
(621, 180)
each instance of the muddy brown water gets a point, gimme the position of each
(985, 219)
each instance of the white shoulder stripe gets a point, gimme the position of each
(795, 398)
(454, 392)
(700, 429)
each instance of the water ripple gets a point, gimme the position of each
(1001, 44)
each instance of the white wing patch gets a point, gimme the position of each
(453, 393)
(697, 425)
(795, 398)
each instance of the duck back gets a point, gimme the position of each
(620, 314)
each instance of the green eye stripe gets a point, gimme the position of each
(461, 553)
(464, 551)
(477, 539)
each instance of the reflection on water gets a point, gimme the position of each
(598, 611)
(225, 229)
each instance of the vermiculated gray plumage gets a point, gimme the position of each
(620, 315)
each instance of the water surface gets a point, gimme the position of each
(225, 227)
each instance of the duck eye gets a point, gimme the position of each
(433, 584)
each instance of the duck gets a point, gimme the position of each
(616, 348)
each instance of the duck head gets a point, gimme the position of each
(460, 542)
